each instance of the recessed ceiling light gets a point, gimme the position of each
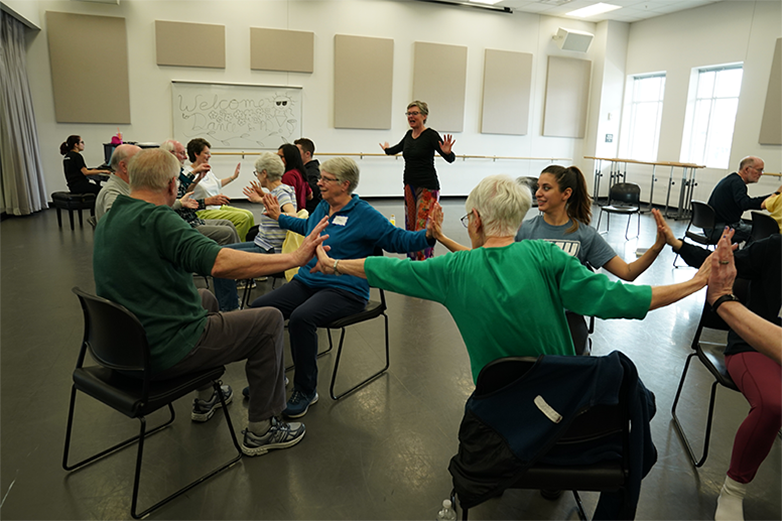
(593, 10)
(489, 2)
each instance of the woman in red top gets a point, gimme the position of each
(294, 176)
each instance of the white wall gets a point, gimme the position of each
(405, 22)
(731, 31)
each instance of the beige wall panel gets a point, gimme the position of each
(363, 80)
(186, 44)
(771, 127)
(567, 97)
(89, 62)
(281, 50)
(507, 81)
(439, 79)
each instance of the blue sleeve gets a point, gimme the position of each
(296, 225)
(394, 239)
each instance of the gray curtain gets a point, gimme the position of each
(22, 185)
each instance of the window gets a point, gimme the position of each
(645, 111)
(711, 115)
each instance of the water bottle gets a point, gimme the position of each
(392, 219)
(447, 513)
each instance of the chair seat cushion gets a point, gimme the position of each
(619, 209)
(374, 309)
(71, 201)
(124, 393)
(605, 475)
(715, 363)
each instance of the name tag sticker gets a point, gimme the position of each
(548, 410)
(340, 220)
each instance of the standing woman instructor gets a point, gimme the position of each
(75, 168)
(422, 188)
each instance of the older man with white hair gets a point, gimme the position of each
(118, 183)
(222, 231)
(144, 257)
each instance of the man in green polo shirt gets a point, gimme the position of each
(144, 258)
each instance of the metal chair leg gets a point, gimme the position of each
(363, 382)
(581, 514)
(111, 449)
(678, 426)
(186, 488)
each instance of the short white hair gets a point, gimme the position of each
(344, 169)
(272, 163)
(502, 204)
(152, 169)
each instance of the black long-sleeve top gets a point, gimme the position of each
(729, 200)
(419, 158)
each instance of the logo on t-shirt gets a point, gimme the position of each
(569, 247)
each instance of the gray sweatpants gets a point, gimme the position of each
(254, 335)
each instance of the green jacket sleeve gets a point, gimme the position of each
(415, 279)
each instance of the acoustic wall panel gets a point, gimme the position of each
(507, 82)
(281, 50)
(771, 125)
(89, 61)
(186, 44)
(567, 97)
(439, 79)
(363, 80)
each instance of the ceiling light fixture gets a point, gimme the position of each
(593, 10)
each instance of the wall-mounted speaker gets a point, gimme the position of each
(570, 40)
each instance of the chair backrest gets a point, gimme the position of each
(114, 336)
(626, 193)
(703, 215)
(762, 226)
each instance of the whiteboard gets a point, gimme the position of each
(238, 116)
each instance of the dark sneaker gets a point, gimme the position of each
(203, 410)
(298, 404)
(281, 435)
(246, 390)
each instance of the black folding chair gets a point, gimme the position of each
(713, 359)
(626, 199)
(601, 424)
(374, 309)
(763, 226)
(117, 341)
(702, 215)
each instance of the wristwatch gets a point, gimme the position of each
(730, 297)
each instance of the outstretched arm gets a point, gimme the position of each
(631, 271)
(329, 266)
(234, 264)
(665, 295)
(435, 229)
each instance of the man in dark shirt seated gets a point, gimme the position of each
(144, 259)
(729, 199)
(312, 171)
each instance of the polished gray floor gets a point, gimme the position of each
(381, 453)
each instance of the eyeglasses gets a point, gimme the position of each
(329, 179)
(413, 113)
(81, 142)
(466, 220)
(757, 169)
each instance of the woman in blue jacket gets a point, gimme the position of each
(312, 300)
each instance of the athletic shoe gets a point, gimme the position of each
(203, 410)
(280, 435)
(246, 390)
(298, 404)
